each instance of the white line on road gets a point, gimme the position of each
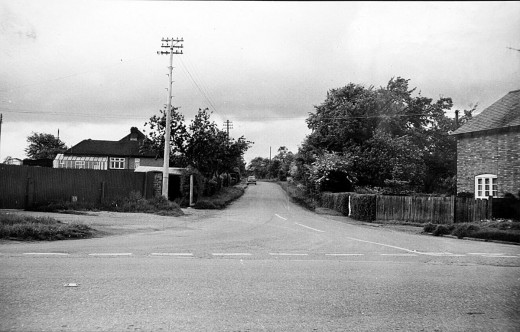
(231, 254)
(112, 254)
(46, 253)
(400, 255)
(286, 254)
(171, 254)
(344, 254)
(314, 229)
(280, 217)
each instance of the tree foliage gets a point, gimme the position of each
(44, 146)
(391, 136)
(200, 144)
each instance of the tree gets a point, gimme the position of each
(44, 146)
(178, 136)
(200, 144)
(392, 135)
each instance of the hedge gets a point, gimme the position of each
(335, 201)
(363, 207)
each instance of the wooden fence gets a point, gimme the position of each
(23, 186)
(437, 210)
(417, 209)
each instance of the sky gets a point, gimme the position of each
(90, 69)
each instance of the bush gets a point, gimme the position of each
(464, 230)
(335, 201)
(495, 234)
(429, 228)
(363, 207)
(441, 230)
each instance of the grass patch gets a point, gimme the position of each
(500, 230)
(298, 195)
(221, 199)
(20, 227)
(133, 203)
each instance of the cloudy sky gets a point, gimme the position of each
(90, 69)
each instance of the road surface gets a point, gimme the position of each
(263, 264)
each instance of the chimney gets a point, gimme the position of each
(134, 134)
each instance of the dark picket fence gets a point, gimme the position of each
(416, 209)
(24, 186)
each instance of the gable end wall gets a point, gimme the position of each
(497, 153)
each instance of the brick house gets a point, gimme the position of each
(488, 150)
(108, 155)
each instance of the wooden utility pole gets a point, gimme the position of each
(229, 125)
(172, 45)
(1, 115)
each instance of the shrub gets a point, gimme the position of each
(441, 230)
(495, 234)
(429, 228)
(363, 207)
(464, 230)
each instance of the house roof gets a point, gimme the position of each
(171, 170)
(504, 113)
(128, 146)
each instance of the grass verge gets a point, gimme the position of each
(133, 203)
(298, 195)
(498, 230)
(221, 199)
(20, 227)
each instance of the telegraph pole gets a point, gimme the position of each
(1, 115)
(172, 46)
(229, 125)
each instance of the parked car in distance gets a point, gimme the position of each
(251, 180)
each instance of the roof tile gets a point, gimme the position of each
(502, 114)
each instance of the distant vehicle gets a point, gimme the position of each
(251, 180)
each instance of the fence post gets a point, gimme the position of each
(489, 214)
(452, 209)
(102, 192)
(29, 201)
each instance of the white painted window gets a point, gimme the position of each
(485, 186)
(137, 162)
(80, 164)
(117, 163)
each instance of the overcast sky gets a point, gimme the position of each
(90, 69)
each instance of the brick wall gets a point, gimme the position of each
(496, 153)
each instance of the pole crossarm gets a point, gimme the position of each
(173, 45)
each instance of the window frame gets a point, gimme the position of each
(117, 161)
(486, 185)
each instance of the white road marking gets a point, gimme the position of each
(314, 229)
(280, 217)
(285, 254)
(171, 254)
(344, 254)
(231, 254)
(46, 253)
(400, 255)
(112, 254)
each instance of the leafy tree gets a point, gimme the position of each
(44, 146)
(178, 136)
(392, 135)
(200, 144)
(259, 167)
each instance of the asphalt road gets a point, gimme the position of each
(263, 264)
